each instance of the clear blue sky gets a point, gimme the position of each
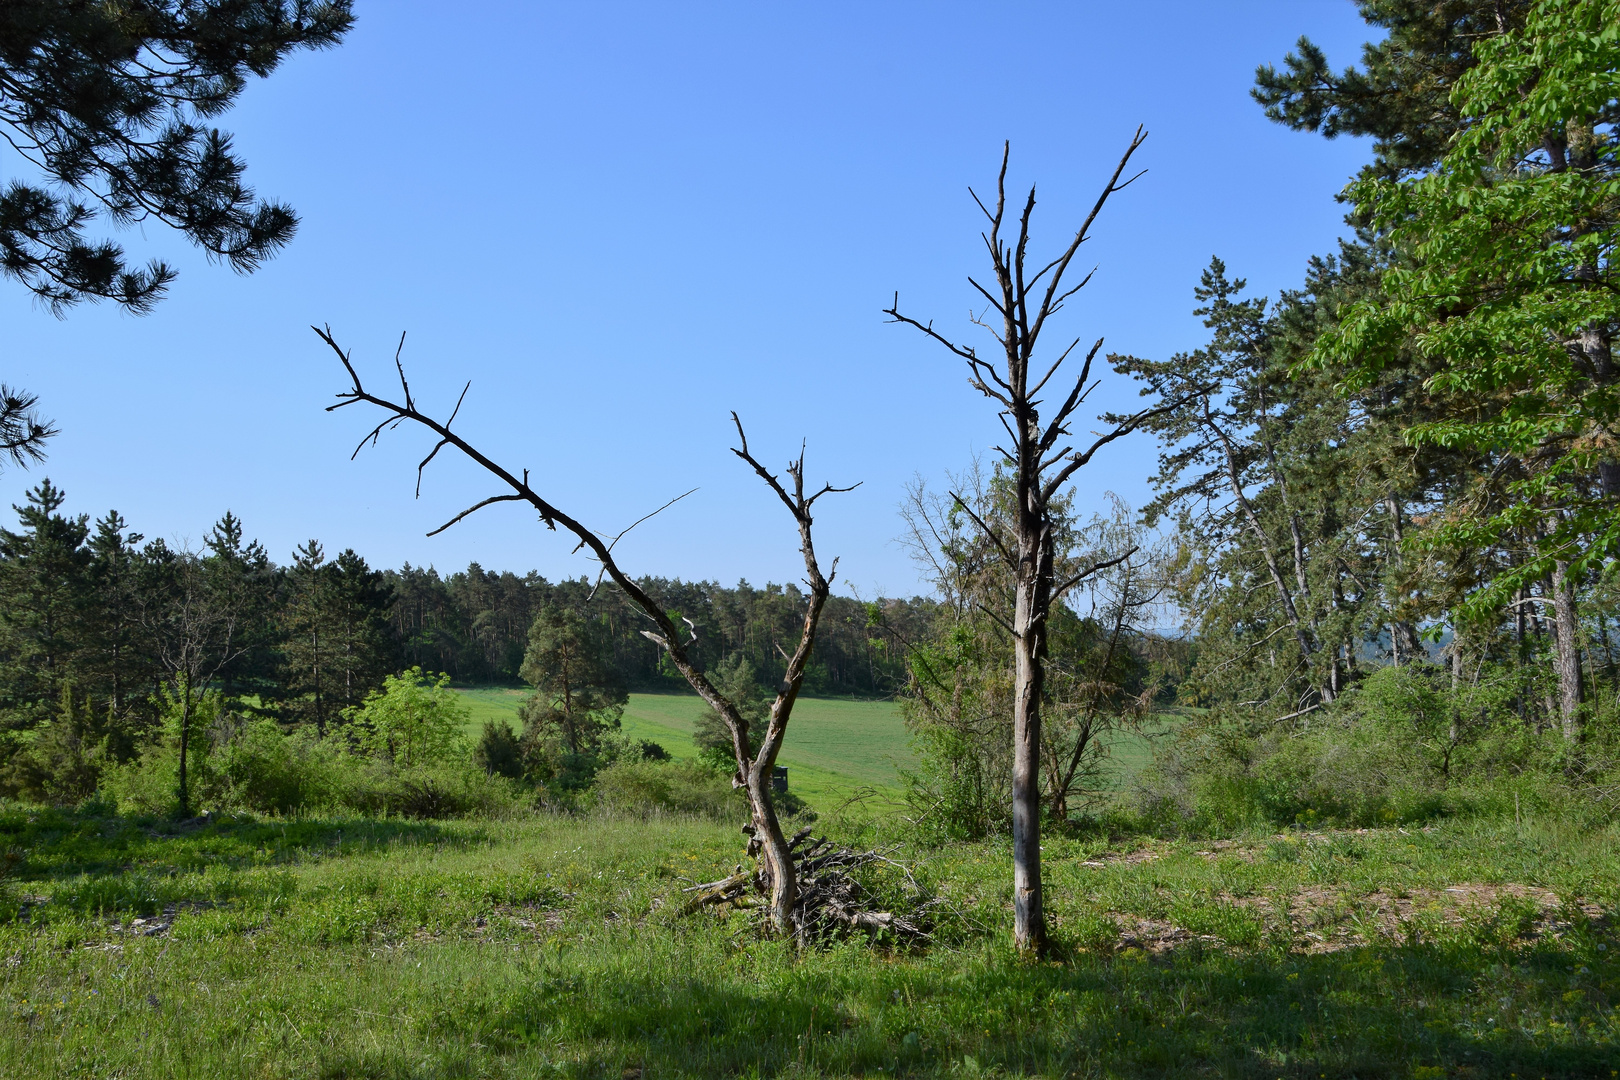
(622, 221)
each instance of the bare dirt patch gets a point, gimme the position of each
(1323, 920)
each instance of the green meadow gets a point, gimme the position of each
(836, 748)
(549, 946)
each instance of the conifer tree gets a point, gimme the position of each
(43, 593)
(118, 663)
(242, 568)
(577, 695)
(337, 646)
(112, 103)
(1401, 93)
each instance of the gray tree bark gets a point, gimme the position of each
(1567, 651)
(1041, 463)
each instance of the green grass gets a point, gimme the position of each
(834, 747)
(556, 947)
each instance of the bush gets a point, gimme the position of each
(1403, 747)
(61, 761)
(413, 720)
(436, 791)
(261, 769)
(254, 766)
(645, 788)
(499, 752)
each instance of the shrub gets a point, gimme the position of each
(445, 789)
(413, 720)
(261, 769)
(644, 788)
(498, 751)
(61, 761)
(254, 766)
(1405, 746)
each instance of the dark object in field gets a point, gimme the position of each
(831, 900)
(202, 819)
(647, 750)
(779, 778)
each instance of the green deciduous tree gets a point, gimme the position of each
(415, 719)
(1506, 285)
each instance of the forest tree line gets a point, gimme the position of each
(101, 624)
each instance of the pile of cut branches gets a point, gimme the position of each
(832, 899)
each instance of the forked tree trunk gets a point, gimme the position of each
(1042, 462)
(753, 773)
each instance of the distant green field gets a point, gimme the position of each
(834, 747)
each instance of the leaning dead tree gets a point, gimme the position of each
(1042, 460)
(766, 842)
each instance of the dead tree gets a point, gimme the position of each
(195, 635)
(766, 841)
(1042, 461)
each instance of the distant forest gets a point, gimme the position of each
(94, 612)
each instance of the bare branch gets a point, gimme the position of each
(1059, 363)
(1129, 425)
(1112, 186)
(999, 621)
(1056, 428)
(988, 531)
(1059, 590)
(475, 508)
(400, 367)
(644, 517)
(764, 473)
(828, 489)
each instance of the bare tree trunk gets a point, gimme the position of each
(1567, 649)
(1042, 462)
(185, 742)
(1029, 683)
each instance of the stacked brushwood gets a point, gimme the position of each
(831, 899)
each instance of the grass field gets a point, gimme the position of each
(834, 748)
(550, 946)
